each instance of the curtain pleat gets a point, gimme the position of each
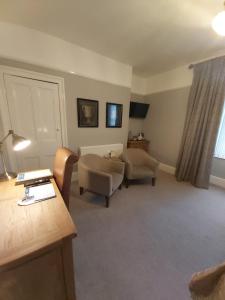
(205, 106)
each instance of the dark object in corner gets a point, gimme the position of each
(138, 110)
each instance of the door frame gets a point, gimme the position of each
(4, 109)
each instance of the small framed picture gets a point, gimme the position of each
(87, 112)
(114, 115)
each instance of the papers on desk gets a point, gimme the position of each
(33, 176)
(37, 193)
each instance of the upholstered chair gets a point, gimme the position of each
(100, 175)
(139, 165)
(62, 171)
(209, 284)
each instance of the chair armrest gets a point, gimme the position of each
(94, 180)
(202, 283)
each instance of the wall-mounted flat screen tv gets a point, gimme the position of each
(138, 110)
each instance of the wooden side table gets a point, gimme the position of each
(143, 144)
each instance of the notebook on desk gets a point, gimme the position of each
(33, 176)
(37, 193)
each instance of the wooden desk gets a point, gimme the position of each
(36, 259)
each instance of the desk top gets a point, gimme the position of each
(25, 230)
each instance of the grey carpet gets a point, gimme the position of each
(148, 243)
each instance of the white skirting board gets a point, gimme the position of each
(167, 168)
(218, 181)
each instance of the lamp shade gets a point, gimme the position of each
(19, 142)
(218, 23)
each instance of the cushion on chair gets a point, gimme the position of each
(142, 172)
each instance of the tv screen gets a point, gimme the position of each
(138, 110)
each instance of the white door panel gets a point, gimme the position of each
(35, 114)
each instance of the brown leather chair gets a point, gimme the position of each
(208, 284)
(62, 171)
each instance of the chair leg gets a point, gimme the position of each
(153, 181)
(120, 186)
(106, 201)
(127, 182)
(81, 190)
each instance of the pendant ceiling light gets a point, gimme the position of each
(218, 23)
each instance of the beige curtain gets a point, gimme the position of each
(204, 111)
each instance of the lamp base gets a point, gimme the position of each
(7, 176)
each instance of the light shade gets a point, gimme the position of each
(218, 23)
(19, 142)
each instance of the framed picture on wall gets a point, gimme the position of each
(87, 113)
(114, 115)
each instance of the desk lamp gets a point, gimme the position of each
(18, 143)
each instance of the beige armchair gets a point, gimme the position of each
(100, 175)
(139, 165)
(209, 284)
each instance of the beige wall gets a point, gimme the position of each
(164, 127)
(77, 86)
(218, 167)
(1, 136)
(35, 47)
(136, 125)
(164, 123)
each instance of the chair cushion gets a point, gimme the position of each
(116, 180)
(217, 291)
(140, 172)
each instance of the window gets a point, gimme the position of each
(220, 143)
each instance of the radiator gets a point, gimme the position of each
(102, 150)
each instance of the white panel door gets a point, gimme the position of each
(35, 114)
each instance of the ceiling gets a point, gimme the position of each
(152, 36)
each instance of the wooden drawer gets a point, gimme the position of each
(144, 144)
